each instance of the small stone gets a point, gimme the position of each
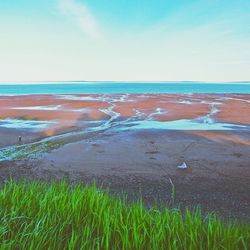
(183, 166)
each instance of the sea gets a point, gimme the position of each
(123, 87)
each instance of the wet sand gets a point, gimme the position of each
(140, 162)
(67, 110)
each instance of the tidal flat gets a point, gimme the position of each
(133, 144)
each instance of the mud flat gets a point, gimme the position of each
(133, 144)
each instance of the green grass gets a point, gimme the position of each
(36, 215)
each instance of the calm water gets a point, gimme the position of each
(119, 87)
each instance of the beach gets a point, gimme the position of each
(133, 144)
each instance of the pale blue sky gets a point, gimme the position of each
(206, 40)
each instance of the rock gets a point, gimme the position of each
(183, 166)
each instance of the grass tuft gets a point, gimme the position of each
(36, 215)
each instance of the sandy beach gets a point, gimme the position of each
(134, 143)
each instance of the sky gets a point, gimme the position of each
(125, 40)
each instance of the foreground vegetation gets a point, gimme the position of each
(58, 216)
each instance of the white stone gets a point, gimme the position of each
(183, 166)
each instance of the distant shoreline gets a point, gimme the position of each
(118, 82)
(123, 88)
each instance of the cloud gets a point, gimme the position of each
(81, 15)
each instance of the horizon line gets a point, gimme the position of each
(120, 81)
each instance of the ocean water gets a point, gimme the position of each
(123, 87)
